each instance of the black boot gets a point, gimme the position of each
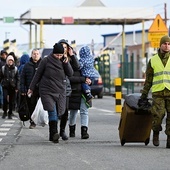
(10, 115)
(72, 130)
(63, 134)
(168, 142)
(4, 115)
(63, 123)
(84, 134)
(155, 138)
(54, 136)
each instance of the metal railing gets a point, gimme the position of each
(132, 81)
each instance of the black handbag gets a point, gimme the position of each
(23, 109)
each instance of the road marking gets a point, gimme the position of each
(4, 129)
(9, 121)
(104, 110)
(3, 134)
(7, 125)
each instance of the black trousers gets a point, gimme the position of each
(32, 101)
(8, 99)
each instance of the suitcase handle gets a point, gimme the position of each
(142, 112)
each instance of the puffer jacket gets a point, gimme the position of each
(10, 77)
(27, 75)
(75, 99)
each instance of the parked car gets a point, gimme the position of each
(97, 88)
(45, 52)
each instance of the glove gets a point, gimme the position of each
(144, 104)
(142, 101)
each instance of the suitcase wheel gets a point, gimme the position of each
(147, 141)
(122, 142)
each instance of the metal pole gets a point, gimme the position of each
(143, 40)
(129, 80)
(36, 36)
(41, 34)
(30, 37)
(165, 11)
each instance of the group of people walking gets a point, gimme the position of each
(62, 81)
(58, 80)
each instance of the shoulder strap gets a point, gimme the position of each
(16, 69)
(3, 68)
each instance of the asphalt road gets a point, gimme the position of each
(29, 149)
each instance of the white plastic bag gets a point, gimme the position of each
(40, 116)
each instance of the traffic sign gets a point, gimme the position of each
(154, 38)
(158, 25)
(8, 19)
(157, 30)
(67, 20)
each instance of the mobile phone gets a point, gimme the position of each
(64, 59)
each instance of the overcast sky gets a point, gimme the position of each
(82, 34)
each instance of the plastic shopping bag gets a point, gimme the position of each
(40, 116)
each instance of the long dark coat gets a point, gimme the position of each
(51, 76)
(75, 99)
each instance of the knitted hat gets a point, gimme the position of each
(10, 57)
(63, 41)
(3, 51)
(58, 49)
(164, 39)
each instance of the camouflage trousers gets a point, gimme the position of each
(160, 108)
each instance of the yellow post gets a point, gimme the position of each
(41, 34)
(118, 95)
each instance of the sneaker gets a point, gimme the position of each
(89, 103)
(32, 125)
(87, 97)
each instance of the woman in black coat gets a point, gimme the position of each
(51, 76)
(76, 102)
(68, 52)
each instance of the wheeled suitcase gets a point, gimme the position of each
(135, 125)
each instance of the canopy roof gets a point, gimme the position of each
(92, 3)
(88, 13)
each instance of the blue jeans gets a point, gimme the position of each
(84, 116)
(1, 95)
(53, 116)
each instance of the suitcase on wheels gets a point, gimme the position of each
(134, 125)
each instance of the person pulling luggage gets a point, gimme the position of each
(158, 79)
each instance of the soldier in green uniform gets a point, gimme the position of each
(158, 79)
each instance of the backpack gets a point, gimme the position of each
(3, 69)
(23, 110)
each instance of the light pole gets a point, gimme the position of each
(6, 35)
